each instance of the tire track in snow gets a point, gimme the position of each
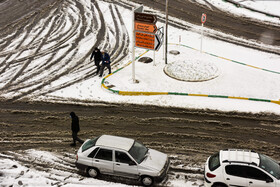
(117, 47)
(57, 50)
(38, 72)
(51, 62)
(20, 26)
(25, 64)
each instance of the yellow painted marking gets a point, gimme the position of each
(103, 85)
(108, 76)
(253, 66)
(224, 58)
(276, 102)
(202, 95)
(141, 93)
(244, 98)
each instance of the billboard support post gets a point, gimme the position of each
(139, 9)
(133, 49)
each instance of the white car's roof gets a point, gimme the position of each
(235, 155)
(115, 142)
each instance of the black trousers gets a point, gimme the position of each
(103, 66)
(97, 63)
(76, 138)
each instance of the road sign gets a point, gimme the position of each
(203, 18)
(139, 9)
(145, 18)
(145, 40)
(149, 40)
(157, 42)
(159, 38)
(150, 28)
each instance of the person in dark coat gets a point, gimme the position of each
(97, 58)
(75, 127)
(105, 63)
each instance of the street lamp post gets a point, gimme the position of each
(166, 28)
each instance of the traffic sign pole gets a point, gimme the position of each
(154, 57)
(201, 38)
(203, 20)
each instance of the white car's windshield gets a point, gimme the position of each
(270, 166)
(138, 151)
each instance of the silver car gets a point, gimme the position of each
(119, 156)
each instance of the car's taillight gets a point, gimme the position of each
(210, 175)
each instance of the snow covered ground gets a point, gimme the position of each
(233, 80)
(53, 172)
(42, 168)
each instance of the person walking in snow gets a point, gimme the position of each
(105, 63)
(75, 127)
(97, 58)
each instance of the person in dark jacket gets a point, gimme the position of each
(97, 58)
(75, 127)
(105, 63)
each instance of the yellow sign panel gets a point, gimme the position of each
(145, 40)
(145, 27)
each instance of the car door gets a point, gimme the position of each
(124, 165)
(103, 160)
(258, 178)
(88, 160)
(234, 176)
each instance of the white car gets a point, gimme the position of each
(242, 168)
(119, 156)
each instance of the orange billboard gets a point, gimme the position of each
(144, 27)
(145, 40)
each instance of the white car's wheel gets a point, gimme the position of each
(147, 181)
(92, 172)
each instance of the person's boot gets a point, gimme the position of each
(73, 144)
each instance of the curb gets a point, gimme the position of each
(137, 93)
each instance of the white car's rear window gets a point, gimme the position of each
(89, 144)
(214, 162)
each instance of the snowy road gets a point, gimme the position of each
(53, 36)
(38, 137)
